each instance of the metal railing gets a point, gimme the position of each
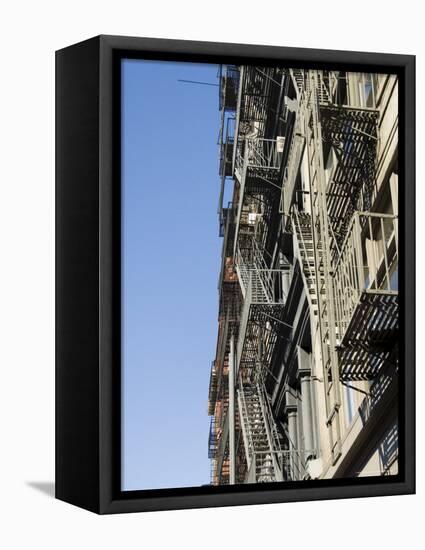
(212, 391)
(227, 139)
(334, 87)
(259, 431)
(266, 285)
(260, 153)
(268, 415)
(292, 464)
(248, 257)
(225, 219)
(262, 286)
(257, 163)
(366, 264)
(243, 411)
(228, 89)
(263, 468)
(212, 439)
(327, 84)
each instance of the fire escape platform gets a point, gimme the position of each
(368, 340)
(261, 317)
(352, 132)
(258, 315)
(366, 297)
(258, 172)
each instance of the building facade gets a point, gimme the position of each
(304, 380)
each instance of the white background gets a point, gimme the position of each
(30, 32)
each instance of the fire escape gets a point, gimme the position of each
(257, 165)
(348, 254)
(260, 435)
(229, 293)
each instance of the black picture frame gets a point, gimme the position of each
(88, 275)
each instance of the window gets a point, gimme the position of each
(351, 404)
(368, 91)
(362, 88)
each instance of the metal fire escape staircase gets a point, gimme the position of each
(322, 87)
(257, 171)
(366, 297)
(304, 252)
(258, 334)
(363, 251)
(258, 92)
(261, 318)
(313, 242)
(351, 132)
(260, 435)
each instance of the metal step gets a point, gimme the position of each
(259, 433)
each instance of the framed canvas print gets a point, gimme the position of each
(235, 274)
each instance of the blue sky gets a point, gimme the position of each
(170, 262)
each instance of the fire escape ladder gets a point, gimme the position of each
(304, 251)
(243, 272)
(260, 436)
(363, 251)
(251, 265)
(299, 81)
(323, 86)
(323, 90)
(265, 273)
(322, 238)
(273, 433)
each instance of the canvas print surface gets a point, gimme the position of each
(260, 285)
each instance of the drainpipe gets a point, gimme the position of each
(232, 450)
(305, 381)
(292, 415)
(286, 274)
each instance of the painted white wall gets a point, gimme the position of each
(29, 34)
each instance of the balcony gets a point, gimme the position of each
(260, 89)
(229, 87)
(212, 440)
(366, 295)
(213, 387)
(257, 168)
(257, 157)
(227, 139)
(351, 134)
(260, 322)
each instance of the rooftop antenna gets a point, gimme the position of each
(196, 82)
